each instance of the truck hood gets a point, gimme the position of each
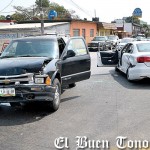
(21, 65)
(97, 41)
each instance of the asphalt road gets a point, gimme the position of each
(102, 108)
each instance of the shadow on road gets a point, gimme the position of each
(32, 112)
(69, 98)
(122, 80)
(10, 116)
(25, 114)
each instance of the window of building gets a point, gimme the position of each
(76, 32)
(83, 33)
(91, 32)
(102, 33)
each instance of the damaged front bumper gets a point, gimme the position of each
(24, 93)
(21, 88)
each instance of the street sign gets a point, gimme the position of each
(137, 13)
(52, 14)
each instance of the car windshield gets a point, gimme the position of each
(112, 37)
(100, 39)
(143, 47)
(126, 40)
(31, 48)
(140, 38)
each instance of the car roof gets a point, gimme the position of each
(127, 38)
(138, 42)
(101, 36)
(112, 35)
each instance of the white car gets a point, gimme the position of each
(133, 59)
(123, 42)
(113, 40)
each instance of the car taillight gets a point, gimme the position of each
(143, 59)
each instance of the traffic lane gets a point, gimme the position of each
(98, 70)
(99, 108)
(111, 70)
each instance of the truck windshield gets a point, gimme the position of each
(31, 48)
(112, 37)
(99, 39)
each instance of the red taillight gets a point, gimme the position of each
(143, 59)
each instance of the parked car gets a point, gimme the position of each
(98, 42)
(140, 38)
(133, 60)
(148, 38)
(123, 42)
(35, 68)
(113, 40)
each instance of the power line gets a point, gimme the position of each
(7, 12)
(6, 6)
(77, 6)
(80, 8)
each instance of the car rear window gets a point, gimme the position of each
(143, 47)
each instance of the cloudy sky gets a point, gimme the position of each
(106, 10)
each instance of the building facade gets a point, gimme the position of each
(87, 29)
(105, 29)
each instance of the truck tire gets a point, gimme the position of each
(72, 85)
(15, 104)
(56, 101)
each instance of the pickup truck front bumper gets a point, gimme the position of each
(21, 88)
(29, 92)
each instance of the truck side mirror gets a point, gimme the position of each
(70, 53)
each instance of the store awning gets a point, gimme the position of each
(107, 26)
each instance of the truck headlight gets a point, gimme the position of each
(42, 79)
(48, 80)
(39, 80)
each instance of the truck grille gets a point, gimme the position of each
(16, 79)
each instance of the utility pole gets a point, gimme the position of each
(41, 16)
(95, 12)
(123, 25)
(132, 24)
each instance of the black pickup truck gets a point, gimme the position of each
(35, 68)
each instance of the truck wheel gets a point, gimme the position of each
(128, 76)
(15, 104)
(72, 85)
(116, 69)
(56, 101)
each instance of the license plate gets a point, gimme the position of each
(4, 92)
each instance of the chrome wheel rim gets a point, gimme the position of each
(57, 95)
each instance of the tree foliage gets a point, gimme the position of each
(2, 17)
(145, 29)
(33, 12)
(19, 16)
(132, 19)
(42, 3)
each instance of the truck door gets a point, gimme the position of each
(75, 61)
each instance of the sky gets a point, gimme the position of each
(106, 10)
